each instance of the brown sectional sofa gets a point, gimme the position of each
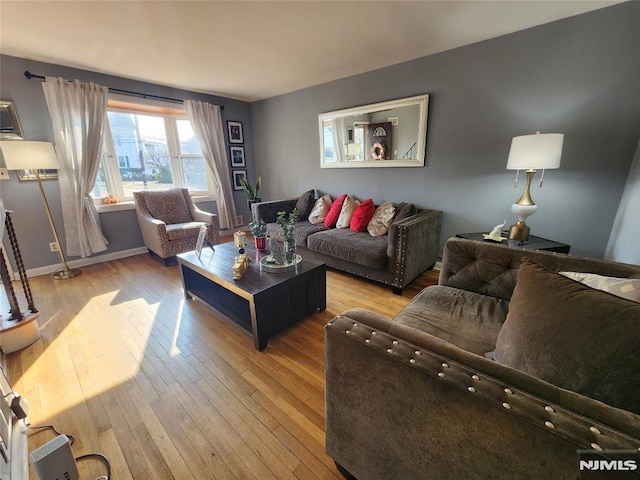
(416, 396)
(396, 259)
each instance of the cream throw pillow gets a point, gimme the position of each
(379, 223)
(320, 209)
(349, 206)
(628, 288)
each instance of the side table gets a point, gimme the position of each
(534, 243)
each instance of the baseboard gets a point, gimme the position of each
(36, 272)
(83, 262)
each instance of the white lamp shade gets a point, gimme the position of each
(26, 155)
(535, 152)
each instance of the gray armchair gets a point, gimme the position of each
(170, 221)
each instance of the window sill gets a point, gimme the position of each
(130, 204)
(116, 207)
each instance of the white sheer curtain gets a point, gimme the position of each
(623, 243)
(207, 125)
(78, 113)
(338, 138)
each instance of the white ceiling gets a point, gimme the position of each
(251, 50)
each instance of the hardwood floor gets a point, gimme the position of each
(170, 389)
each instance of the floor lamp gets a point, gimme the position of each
(36, 156)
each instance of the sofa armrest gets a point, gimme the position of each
(268, 211)
(400, 401)
(413, 245)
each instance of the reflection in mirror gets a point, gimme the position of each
(387, 134)
(9, 124)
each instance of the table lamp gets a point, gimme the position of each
(36, 156)
(531, 153)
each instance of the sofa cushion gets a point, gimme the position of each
(357, 247)
(320, 209)
(573, 336)
(382, 217)
(178, 231)
(334, 212)
(362, 216)
(305, 204)
(170, 206)
(468, 320)
(302, 230)
(349, 206)
(628, 288)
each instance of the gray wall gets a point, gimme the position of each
(120, 228)
(579, 76)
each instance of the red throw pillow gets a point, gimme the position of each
(334, 212)
(362, 215)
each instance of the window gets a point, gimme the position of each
(192, 163)
(149, 148)
(329, 149)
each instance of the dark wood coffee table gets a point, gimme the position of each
(262, 303)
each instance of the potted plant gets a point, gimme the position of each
(252, 192)
(259, 231)
(288, 225)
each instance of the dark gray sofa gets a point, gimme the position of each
(415, 397)
(396, 259)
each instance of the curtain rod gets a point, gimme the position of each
(30, 75)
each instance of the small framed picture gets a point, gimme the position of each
(202, 234)
(237, 157)
(237, 176)
(235, 132)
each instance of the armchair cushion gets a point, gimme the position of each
(539, 337)
(183, 230)
(170, 206)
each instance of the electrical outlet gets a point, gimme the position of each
(4, 173)
(53, 246)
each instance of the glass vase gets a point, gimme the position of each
(289, 250)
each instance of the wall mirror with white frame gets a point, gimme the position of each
(386, 134)
(9, 123)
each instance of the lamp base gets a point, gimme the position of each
(519, 231)
(67, 274)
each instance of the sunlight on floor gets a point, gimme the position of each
(82, 344)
